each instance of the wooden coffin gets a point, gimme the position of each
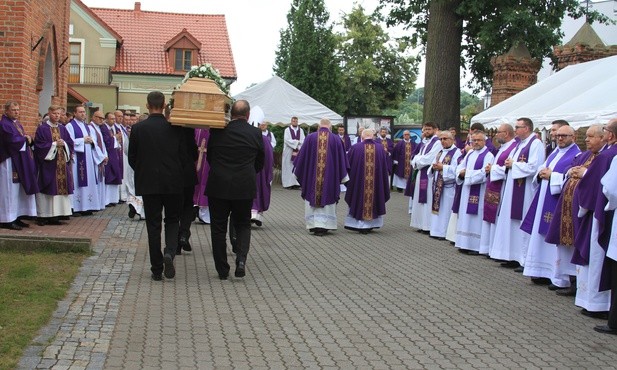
(200, 103)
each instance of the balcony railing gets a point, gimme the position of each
(89, 75)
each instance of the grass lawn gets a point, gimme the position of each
(31, 284)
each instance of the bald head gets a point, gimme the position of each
(565, 136)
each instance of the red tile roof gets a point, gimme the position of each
(145, 34)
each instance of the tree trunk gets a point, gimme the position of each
(442, 90)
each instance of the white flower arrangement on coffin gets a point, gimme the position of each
(207, 71)
(203, 71)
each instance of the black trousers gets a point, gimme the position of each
(187, 214)
(153, 208)
(612, 314)
(220, 212)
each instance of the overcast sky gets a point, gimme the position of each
(253, 27)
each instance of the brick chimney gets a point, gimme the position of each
(585, 46)
(137, 6)
(513, 72)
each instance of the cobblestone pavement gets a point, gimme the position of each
(393, 299)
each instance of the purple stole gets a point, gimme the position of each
(456, 204)
(438, 184)
(82, 172)
(24, 166)
(294, 136)
(550, 200)
(100, 144)
(492, 196)
(424, 174)
(474, 190)
(518, 191)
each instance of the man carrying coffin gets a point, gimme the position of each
(471, 173)
(320, 168)
(541, 256)
(565, 221)
(421, 191)
(594, 230)
(401, 159)
(494, 187)
(609, 188)
(368, 188)
(521, 167)
(443, 172)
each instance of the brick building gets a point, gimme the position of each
(33, 55)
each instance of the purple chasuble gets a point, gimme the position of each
(368, 188)
(518, 190)
(402, 153)
(261, 203)
(550, 200)
(474, 190)
(24, 170)
(82, 172)
(202, 166)
(492, 195)
(55, 176)
(320, 168)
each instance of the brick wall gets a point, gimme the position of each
(22, 69)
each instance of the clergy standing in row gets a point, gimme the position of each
(471, 173)
(368, 188)
(496, 172)
(113, 169)
(52, 148)
(84, 165)
(564, 224)
(421, 191)
(387, 144)
(18, 174)
(293, 138)
(320, 168)
(443, 173)
(510, 241)
(401, 160)
(541, 255)
(98, 120)
(593, 231)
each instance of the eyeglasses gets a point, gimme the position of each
(607, 130)
(444, 138)
(562, 136)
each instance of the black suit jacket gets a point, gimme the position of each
(157, 156)
(235, 155)
(189, 170)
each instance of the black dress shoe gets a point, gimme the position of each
(157, 277)
(20, 223)
(602, 315)
(257, 222)
(223, 276)
(519, 269)
(132, 211)
(55, 222)
(11, 226)
(540, 281)
(509, 264)
(240, 269)
(41, 221)
(553, 287)
(567, 292)
(605, 329)
(184, 244)
(473, 253)
(437, 237)
(170, 270)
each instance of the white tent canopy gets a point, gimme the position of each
(582, 94)
(280, 101)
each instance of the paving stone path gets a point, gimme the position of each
(393, 299)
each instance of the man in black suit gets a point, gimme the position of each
(235, 155)
(157, 156)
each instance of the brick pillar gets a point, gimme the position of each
(585, 46)
(512, 73)
(22, 69)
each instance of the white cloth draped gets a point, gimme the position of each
(421, 212)
(84, 198)
(15, 202)
(439, 221)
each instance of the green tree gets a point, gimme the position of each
(469, 33)
(306, 57)
(376, 73)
